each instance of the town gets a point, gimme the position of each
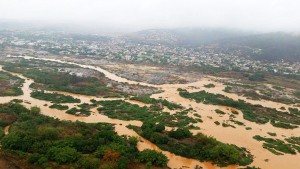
(124, 49)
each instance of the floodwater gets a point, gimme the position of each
(238, 136)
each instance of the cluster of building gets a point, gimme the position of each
(120, 48)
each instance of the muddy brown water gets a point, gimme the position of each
(238, 136)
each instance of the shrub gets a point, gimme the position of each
(180, 133)
(88, 163)
(152, 157)
(63, 154)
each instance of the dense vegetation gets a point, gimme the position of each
(257, 76)
(152, 157)
(201, 147)
(297, 94)
(10, 85)
(295, 142)
(126, 111)
(254, 113)
(48, 142)
(54, 97)
(294, 111)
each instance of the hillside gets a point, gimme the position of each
(268, 46)
(274, 46)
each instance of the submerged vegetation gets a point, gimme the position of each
(253, 113)
(280, 147)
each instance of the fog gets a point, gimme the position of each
(132, 15)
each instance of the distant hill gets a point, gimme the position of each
(271, 46)
(195, 37)
(183, 36)
(274, 46)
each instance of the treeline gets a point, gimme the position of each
(51, 143)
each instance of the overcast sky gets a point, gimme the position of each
(260, 15)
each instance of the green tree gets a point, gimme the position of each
(133, 141)
(123, 162)
(180, 133)
(35, 110)
(88, 163)
(63, 154)
(160, 127)
(152, 157)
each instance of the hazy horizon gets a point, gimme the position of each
(134, 15)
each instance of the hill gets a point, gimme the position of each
(272, 46)
(268, 46)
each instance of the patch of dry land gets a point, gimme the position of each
(152, 74)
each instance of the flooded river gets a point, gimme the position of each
(238, 136)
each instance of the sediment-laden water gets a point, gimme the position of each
(238, 136)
